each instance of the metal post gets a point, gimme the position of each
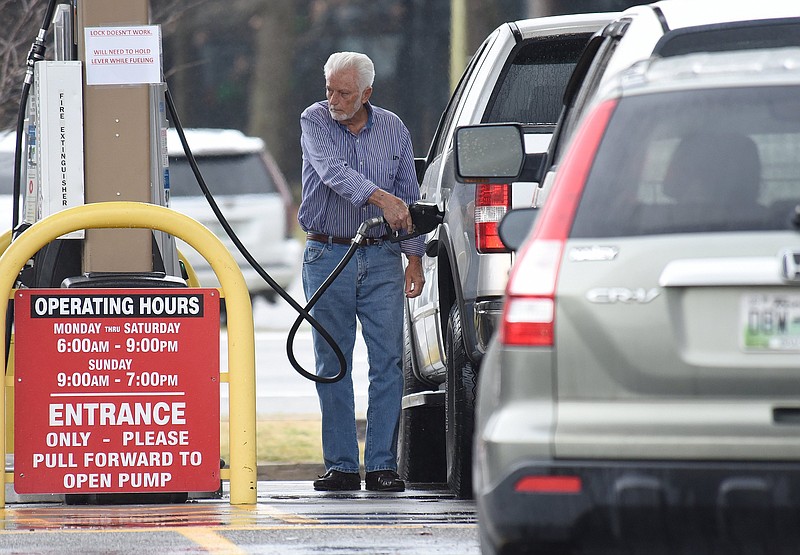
(458, 40)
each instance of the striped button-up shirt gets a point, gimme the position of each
(341, 171)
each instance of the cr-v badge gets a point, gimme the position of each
(610, 295)
(595, 253)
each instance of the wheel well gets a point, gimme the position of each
(449, 295)
(447, 290)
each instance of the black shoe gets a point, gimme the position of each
(334, 480)
(384, 480)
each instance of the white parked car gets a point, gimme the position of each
(248, 186)
(252, 194)
(7, 143)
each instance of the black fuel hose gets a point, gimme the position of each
(302, 311)
(361, 234)
(35, 54)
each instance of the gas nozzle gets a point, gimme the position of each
(365, 226)
(425, 216)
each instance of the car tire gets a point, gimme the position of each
(459, 408)
(421, 455)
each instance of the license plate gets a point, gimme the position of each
(771, 322)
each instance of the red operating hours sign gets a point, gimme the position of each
(116, 390)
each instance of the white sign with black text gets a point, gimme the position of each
(123, 55)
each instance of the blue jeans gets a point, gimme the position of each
(369, 288)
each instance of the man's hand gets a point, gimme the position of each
(414, 278)
(395, 211)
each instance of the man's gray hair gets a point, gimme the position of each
(365, 69)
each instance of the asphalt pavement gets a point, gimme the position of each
(288, 518)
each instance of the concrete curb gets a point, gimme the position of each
(290, 471)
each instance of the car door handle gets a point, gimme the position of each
(786, 415)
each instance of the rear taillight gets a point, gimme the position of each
(492, 201)
(529, 310)
(549, 484)
(530, 307)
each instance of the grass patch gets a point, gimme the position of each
(281, 441)
(284, 440)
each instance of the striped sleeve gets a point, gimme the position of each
(320, 151)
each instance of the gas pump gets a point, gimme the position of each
(124, 121)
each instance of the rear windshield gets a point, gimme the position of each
(531, 88)
(696, 161)
(243, 174)
(737, 35)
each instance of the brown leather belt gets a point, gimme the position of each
(369, 241)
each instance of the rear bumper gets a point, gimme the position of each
(685, 507)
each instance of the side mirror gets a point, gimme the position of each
(515, 227)
(489, 153)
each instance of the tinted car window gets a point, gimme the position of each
(242, 174)
(532, 85)
(695, 161)
(598, 62)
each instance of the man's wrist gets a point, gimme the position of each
(378, 198)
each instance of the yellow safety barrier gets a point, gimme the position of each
(5, 240)
(241, 347)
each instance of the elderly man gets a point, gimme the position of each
(358, 163)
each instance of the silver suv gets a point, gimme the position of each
(642, 393)
(518, 74)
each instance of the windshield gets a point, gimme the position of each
(696, 161)
(243, 174)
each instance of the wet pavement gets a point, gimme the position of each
(289, 518)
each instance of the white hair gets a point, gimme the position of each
(363, 66)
